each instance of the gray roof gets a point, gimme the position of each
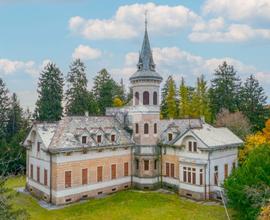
(146, 65)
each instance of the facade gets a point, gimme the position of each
(85, 156)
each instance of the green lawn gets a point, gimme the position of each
(122, 205)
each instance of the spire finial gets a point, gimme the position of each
(145, 19)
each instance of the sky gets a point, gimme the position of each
(188, 38)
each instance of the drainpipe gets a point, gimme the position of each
(131, 164)
(50, 177)
(205, 187)
(161, 167)
(209, 176)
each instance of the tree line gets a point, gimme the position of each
(226, 93)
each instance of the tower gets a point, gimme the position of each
(145, 83)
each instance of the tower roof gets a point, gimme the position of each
(146, 65)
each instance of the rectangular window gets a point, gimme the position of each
(45, 177)
(225, 171)
(137, 164)
(155, 128)
(137, 128)
(155, 165)
(193, 175)
(84, 176)
(112, 138)
(195, 146)
(38, 174)
(233, 165)
(99, 174)
(189, 146)
(31, 171)
(201, 176)
(170, 136)
(67, 179)
(84, 139)
(172, 170)
(113, 171)
(146, 164)
(189, 175)
(216, 175)
(167, 169)
(126, 169)
(184, 174)
(99, 138)
(38, 146)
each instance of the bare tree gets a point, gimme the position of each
(237, 122)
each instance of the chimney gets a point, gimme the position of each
(86, 113)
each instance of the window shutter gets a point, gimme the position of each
(225, 171)
(84, 176)
(31, 171)
(38, 174)
(99, 174)
(126, 169)
(67, 179)
(167, 169)
(45, 177)
(113, 171)
(172, 170)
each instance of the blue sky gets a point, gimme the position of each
(188, 38)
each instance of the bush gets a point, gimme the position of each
(248, 188)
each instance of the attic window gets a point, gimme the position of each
(113, 138)
(99, 138)
(84, 139)
(170, 136)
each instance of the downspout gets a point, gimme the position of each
(131, 164)
(205, 187)
(161, 167)
(209, 174)
(50, 177)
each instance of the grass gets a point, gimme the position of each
(124, 205)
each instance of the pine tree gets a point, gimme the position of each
(102, 77)
(4, 106)
(171, 99)
(164, 94)
(50, 94)
(184, 100)
(252, 101)
(105, 90)
(15, 114)
(78, 98)
(200, 100)
(224, 89)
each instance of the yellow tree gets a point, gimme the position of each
(117, 102)
(255, 140)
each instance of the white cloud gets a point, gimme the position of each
(239, 10)
(86, 53)
(233, 33)
(11, 66)
(176, 62)
(129, 19)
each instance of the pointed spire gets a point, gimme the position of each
(146, 61)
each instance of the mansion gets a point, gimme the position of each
(80, 157)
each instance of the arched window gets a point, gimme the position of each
(146, 98)
(137, 98)
(155, 128)
(146, 128)
(155, 98)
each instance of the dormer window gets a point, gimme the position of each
(99, 138)
(84, 139)
(192, 146)
(113, 138)
(170, 136)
